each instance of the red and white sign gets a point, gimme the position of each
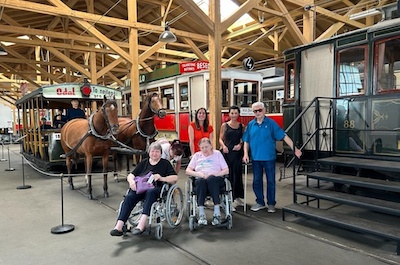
(189, 67)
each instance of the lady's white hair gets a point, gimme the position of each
(155, 145)
(258, 104)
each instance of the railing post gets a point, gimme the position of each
(317, 114)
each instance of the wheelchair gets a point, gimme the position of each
(191, 204)
(169, 207)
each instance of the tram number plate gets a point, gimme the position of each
(57, 136)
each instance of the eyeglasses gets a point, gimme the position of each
(258, 110)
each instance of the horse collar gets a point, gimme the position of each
(142, 133)
(93, 131)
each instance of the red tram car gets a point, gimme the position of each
(184, 88)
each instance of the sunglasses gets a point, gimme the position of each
(257, 110)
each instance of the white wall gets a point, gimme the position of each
(6, 117)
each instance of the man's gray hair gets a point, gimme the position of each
(258, 104)
(155, 145)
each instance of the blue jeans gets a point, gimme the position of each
(258, 185)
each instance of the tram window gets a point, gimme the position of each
(387, 66)
(225, 94)
(128, 104)
(167, 95)
(351, 71)
(184, 96)
(245, 93)
(289, 81)
(142, 94)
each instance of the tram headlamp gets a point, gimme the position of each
(85, 88)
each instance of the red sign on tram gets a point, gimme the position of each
(189, 67)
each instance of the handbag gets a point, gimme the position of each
(144, 183)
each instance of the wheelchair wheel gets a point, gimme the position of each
(159, 231)
(188, 199)
(135, 214)
(192, 223)
(174, 205)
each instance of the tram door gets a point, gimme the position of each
(198, 97)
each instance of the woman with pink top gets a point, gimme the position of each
(209, 167)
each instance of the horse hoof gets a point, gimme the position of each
(106, 195)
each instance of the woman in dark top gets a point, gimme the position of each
(230, 139)
(162, 172)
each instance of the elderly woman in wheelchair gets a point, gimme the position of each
(162, 172)
(207, 170)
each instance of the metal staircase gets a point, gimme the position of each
(359, 182)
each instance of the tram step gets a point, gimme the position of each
(374, 164)
(373, 204)
(348, 222)
(357, 181)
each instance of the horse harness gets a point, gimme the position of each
(92, 131)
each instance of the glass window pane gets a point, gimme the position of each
(388, 66)
(351, 71)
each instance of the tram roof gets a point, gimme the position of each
(68, 91)
(386, 24)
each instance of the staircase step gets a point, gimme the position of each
(356, 181)
(345, 221)
(373, 204)
(391, 166)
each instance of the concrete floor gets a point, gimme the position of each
(28, 215)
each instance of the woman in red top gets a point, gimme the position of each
(199, 129)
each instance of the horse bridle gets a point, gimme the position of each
(153, 110)
(109, 131)
(140, 131)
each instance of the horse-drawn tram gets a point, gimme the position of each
(40, 134)
(341, 106)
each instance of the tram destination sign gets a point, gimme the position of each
(73, 91)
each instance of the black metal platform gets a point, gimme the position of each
(374, 164)
(349, 222)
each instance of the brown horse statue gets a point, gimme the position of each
(91, 138)
(139, 133)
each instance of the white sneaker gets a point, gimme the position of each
(256, 207)
(233, 209)
(216, 220)
(202, 220)
(271, 209)
(239, 202)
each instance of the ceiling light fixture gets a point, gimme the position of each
(366, 13)
(167, 36)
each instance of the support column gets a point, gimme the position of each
(134, 53)
(215, 70)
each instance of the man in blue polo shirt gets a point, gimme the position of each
(261, 135)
